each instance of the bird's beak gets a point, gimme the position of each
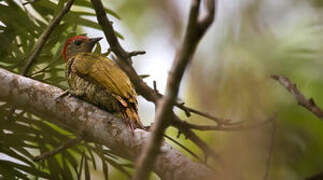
(93, 41)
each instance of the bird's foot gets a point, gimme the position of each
(77, 93)
(69, 93)
(66, 92)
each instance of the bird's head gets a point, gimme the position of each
(77, 44)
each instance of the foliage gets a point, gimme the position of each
(23, 135)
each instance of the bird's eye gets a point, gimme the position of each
(77, 42)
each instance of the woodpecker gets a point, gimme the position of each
(99, 80)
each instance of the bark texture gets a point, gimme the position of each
(98, 125)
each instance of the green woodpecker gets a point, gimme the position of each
(99, 80)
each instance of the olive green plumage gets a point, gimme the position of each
(100, 81)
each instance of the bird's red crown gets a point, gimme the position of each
(68, 41)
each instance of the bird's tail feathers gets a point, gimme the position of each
(132, 119)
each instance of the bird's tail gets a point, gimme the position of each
(132, 118)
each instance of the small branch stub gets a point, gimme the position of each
(309, 104)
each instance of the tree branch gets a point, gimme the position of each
(44, 36)
(59, 149)
(194, 33)
(309, 104)
(182, 146)
(203, 114)
(221, 127)
(96, 124)
(198, 141)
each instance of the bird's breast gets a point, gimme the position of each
(92, 92)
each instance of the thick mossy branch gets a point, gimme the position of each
(98, 125)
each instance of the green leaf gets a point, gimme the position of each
(15, 155)
(97, 49)
(86, 169)
(67, 173)
(89, 5)
(24, 168)
(105, 169)
(92, 157)
(9, 172)
(81, 166)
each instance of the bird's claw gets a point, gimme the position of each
(65, 93)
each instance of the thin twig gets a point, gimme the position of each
(189, 110)
(229, 127)
(136, 53)
(198, 141)
(60, 148)
(44, 37)
(40, 71)
(309, 104)
(203, 114)
(177, 143)
(143, 76)
(155, 87)
(182, 146)
(194, 32)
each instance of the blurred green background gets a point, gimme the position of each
(229, 77)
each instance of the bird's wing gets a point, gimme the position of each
(105, 72)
